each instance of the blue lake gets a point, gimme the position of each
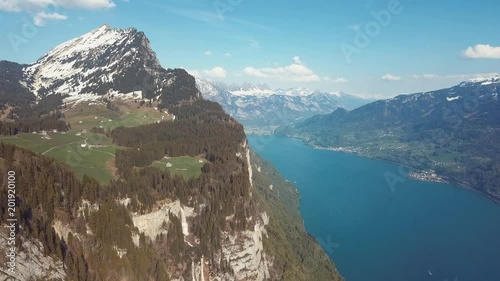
(378, 231)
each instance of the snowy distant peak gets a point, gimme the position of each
(248, 89)
(301, 92)
(259, 106)
(249, 86)
(213, 88)
(210, 88)
(493, 79)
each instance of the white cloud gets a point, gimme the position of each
(227, 55)
(473, 76)
(208, 53)
(481, 51)
(37, 5)
(428, 76)
(216, 72)
(390, 77)
(40, 17)
(43, 10)
(296, 72)
(335, 80)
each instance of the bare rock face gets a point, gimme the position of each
(32, 263)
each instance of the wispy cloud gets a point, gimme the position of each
(211, 18)
(296, 72)
(472, 76)
(216, 72)
(481, 51)
(459, 77)
(208, 53)
(40, 17)
(44, 10)
(339, 80)
(390, 77)
(251, 42)
(35, 5)
(428, 76)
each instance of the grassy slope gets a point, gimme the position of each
(297, 255)
(94, 162)
(187, 167)
(130, 114)
(66, 148)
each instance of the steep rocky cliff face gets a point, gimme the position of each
(145, 223)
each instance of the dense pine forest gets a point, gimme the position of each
(119, 212)
(49, 191)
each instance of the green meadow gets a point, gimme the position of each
(187, 167)
(93, 154)
(67, 148)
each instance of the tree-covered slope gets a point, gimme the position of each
(129, 219)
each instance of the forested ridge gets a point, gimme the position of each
(212, 223)
(48, 191)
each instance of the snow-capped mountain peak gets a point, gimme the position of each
(102, 61)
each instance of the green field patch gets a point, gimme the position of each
(90, 153)
(187, 167)
(84, 117)
(84, 161)
(87, 154)
(41, 143)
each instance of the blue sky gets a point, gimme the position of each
(372, 48)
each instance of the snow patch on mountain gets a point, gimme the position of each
(452, 98)
(104, 62)
(250, 90)
(483, 81)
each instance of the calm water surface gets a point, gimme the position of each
(416, 231)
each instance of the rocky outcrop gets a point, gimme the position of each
(32, 263)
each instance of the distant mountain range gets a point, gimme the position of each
(454, 132)
(257, 106)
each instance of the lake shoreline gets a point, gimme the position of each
(444, 179)
(345, 201)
